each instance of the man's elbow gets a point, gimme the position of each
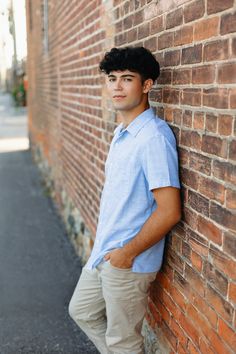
(175, 217)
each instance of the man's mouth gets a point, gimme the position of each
(118, 97)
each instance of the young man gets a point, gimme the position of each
(140, 203)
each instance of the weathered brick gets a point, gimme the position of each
(232, 292)
(203, 74)
(227, 334)
(232, 150)
(192, 55)
(224, 171)
(190, 138)
(227, 73)
(232, 95)
(174, 18)
(198, 203)
(211, 189)
(183, 36)
(172, 58)
(215, 278)
(196, 261)
(165, 40)
(206, 28)
(157, 25)
(189, 178)
(229, 243)
(231, 199)
(221, 306)
(187, 118)
(216, 50)
(217, 98)
(143, 30)
(194, 10)
(191, 97)
(228, 23)
(200, 163)
(225, 124)
(198, 121)
(171, 95)
(165, 77)
(222, 216)
(181, 76)
(214, 6)
(211, 123)
(209, 230)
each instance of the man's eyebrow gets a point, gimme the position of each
(125, 75)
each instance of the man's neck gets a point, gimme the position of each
(128, 116)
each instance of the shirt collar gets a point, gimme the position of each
(137, 124)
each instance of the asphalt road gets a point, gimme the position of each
(38, 266)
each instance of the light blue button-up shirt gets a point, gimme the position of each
(141, 157)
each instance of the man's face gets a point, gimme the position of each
(126, 89)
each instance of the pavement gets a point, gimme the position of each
(38, 266)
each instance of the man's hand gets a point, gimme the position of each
(119, 258)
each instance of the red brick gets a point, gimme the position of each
(165, 77)
(209, 230)
(211, 123)
(232, 93)
(215, 278)
(205, 347)
(143, 30)
(181, 76)
(229, 244)
(172, 58)
(225, 264)
(132, 35)
(214, 145)
(192, 55)
(206, 28)
(196, 261)
(183, 36)
(187, 119)
(217, 98)
(212, 189)
(194, 10)
(198, 121)
(190, 138)
(228, 23)
(198, 243)
(220, 305)
(198, 202)
(232, 150)
(225, 124)
(222, 216)
(214, 6)
(205, 308)
(189, 328)
(157, 25)
(138, 18)
(179, 333)
(227, 334)
(232, 292)
(200, 163)
(191, 97)
(174, 18)
(231, 199)
(227, 73)
(165, 40)
(169, 335)
(171, 96)
(216, 50)
(224, 171)
(203, 74)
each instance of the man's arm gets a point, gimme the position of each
(167, 214)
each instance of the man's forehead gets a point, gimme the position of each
(120, 73)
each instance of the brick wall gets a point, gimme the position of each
(192, 302)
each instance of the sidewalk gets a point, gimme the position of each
(38, 267)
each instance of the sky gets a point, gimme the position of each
(6, 51)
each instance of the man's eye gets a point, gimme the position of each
(127, 79)
(111, 80)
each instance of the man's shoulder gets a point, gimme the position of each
(156, 127)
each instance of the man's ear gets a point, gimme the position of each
(147, 85)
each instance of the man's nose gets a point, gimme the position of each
(118, 85)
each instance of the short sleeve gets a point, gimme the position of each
(160, 163)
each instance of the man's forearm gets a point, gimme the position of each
(154, 229)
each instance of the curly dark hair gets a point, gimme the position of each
(136, 59)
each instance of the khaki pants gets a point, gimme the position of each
(109, 305)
